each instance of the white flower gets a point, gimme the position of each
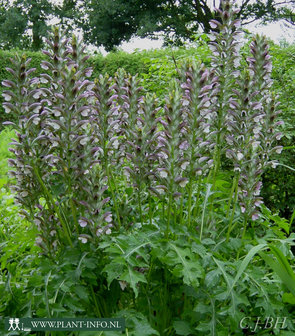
(88, 72)
(279, 136)
(256, 130)
(212, 37)
(126, 173)
(183, 183)
(38, 240)
(84, 113)
(37, 94)
(240, 156)
(185, 102)
(36, 121)
(163, 155)
(7, 109)
(56, 113)
(236, 63)
(163, 173)
(257, 118)
(44, 66)
(84, 127)
(213, 24)
(279, 149)
(184, 165)
(83, 239)
(258, 202)
(6, 96)
(228, 154)
(37, 109)
(160, 190)
(274, 164)
(37, 221)
(54, 125)
(24, 193)
(255, 216)
(84, 141)
(99, 232)
(108, 218)
(255, 144)
(43, 80)
(82, 222)
(108, 231)
(116, 144)
(184, 145)
(207, 129)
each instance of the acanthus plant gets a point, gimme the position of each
(70, 130)
(81, 137)
(225, 63)
(197, 158)
(60, 155)
(254, 112)
(141, 153)
(25, 101)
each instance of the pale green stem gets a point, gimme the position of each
(189, 205)
(235, 185)
(95, 301)
(56, 209)
(243, 234)
(111, 181)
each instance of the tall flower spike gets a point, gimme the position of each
(260, 66)
(142, 151)
(253, 113)
(245, 148)
(93, 216)
(198, 138)
(225, 62)
(172, 144)
(197, 90)
(107, 125)
(68, 114)
(26, 100)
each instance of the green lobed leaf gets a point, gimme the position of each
(133, 278)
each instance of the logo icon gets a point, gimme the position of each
(13, 321)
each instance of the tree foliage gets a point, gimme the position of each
(25, 23)
(108, 23)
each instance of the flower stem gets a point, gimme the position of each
(111, 181)
(233, 190)
(51, 200)
(189, 206)
(95, 301)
